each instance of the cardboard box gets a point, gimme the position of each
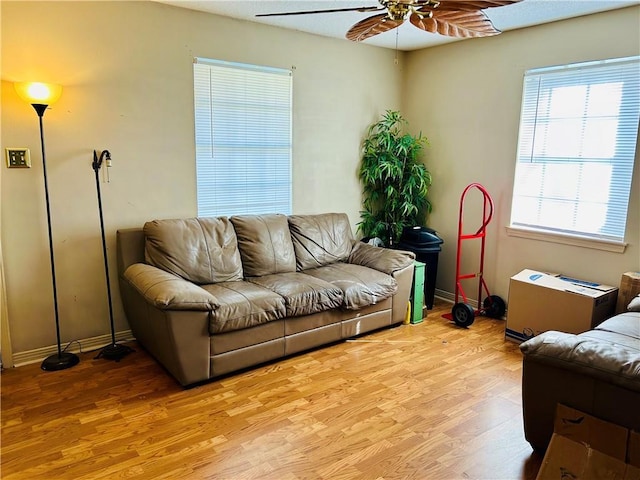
(633, 456)
(585, 447)
(540, 301)
(629, 288)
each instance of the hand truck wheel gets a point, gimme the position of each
(494, 306)
(463, 314)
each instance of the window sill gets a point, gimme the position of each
(606, 245)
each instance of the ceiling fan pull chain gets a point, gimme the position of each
(395, 60)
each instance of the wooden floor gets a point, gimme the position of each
(425, 401)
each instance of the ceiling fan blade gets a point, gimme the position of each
(461, 24)
(473, 4)
(372, 26)
(333, 10)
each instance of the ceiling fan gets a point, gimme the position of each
(454, 18)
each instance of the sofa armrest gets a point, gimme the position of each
(603, 360)
(384, 260)
(167, 291)
(594, 372)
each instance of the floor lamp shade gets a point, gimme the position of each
(38, 93)
(40, 96)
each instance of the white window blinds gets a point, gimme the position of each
(576, 149)
(243, 138)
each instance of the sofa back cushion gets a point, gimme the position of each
(265, 244)
(320, 240)
(201, 250)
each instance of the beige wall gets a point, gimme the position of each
(126, 68)
(465, 97)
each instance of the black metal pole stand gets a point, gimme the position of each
(114, 351)
(60, 360)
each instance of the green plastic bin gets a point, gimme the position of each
(417, 292)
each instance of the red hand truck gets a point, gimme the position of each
(493, 306)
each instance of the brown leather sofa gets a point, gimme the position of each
(596, 372)
(209, 296)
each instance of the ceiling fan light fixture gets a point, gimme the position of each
(424, 14)
(398, 11)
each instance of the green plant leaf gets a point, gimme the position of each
(394, 182)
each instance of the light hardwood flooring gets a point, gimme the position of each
(425, 401)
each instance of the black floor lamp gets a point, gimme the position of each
(114, 351)
(40, 96)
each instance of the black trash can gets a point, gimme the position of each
(426, 244)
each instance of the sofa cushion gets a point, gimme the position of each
(243, 305)
(627, 324)
(361, 286)
(303, 294)
(201, 250)
(319, 240)
(634, 304)
(265, 244)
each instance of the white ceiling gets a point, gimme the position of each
(408, 37)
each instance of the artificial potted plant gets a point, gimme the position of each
(394, 182)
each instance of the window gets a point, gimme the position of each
(243, 138)
(578, 134)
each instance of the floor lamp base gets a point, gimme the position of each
(115, 351)
(60, 361)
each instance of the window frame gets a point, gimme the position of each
(527, 149)
(263, 135)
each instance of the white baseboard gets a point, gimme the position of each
(77, 346)
(451, 297)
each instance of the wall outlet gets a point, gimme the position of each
(18, 158)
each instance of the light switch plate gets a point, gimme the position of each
(18, 158)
